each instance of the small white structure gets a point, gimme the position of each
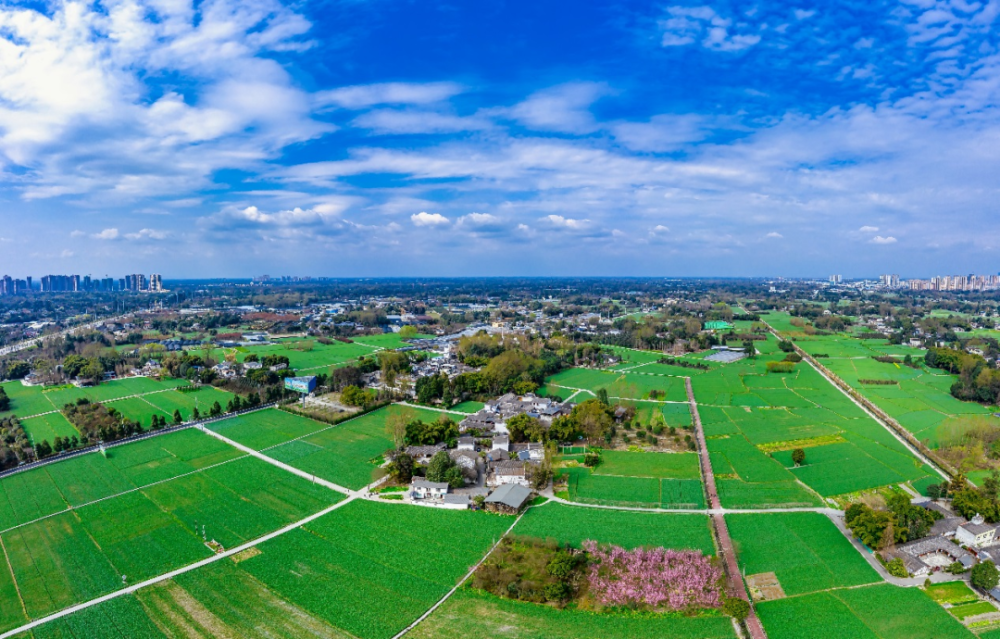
(976, 533)
(501, 442)
(467, 443)
(423, 489)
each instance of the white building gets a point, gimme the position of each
(976, 533)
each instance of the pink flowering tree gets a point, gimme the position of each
(653, 577)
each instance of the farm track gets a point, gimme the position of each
(719, 520)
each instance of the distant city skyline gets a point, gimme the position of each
(629, 138)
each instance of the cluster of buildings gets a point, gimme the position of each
(79, 284)
(492, 465)
(957, 283)
(951, 540)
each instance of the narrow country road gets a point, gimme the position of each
(719, 520)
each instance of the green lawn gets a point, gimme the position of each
(48, 427)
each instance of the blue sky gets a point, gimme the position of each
(228, 138)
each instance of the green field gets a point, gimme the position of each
(624, 385)
(82, 553)
(874, 612)
(203, 399)
(470, 614)
(804, 550)
(341, 454)
(951, 592)
(27, 401)
(313, 355)
(629, 529)
(468, 407)
(48, 427)
(660, 465)
(639, 492)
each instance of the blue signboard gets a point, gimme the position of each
(301, 384)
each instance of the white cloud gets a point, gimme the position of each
(479, 219)
(662, 132)
(428, 219)
(366, 95)
(147, 234)
(393, 121)
(564, 108)
(659, 229)
(75, 79)
(691, 25)
(774, 235)
(568, 223)
(106, 234)
(868, 229)
(878, 239)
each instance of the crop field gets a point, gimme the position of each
(645, 492)
(846, 451)
(951, 592)
(203, 399)
(364, 571)
(80, 554)
(52, 488)
(48, 427)
(625, 385)
(813, 554)
(387, 340)
(661, 465)
(629, 529)
(27, 401)
(341, 453)
(873, 612)
(470, 613)
(314, 357)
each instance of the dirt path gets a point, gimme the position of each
(718, 519)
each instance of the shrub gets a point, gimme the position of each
(780, 367)
(985, 575)
(736, 608)
(897, 568)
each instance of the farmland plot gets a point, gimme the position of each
(629, 529)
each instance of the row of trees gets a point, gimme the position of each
(882, 527)
(14, 445)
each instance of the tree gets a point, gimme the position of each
(195, 414)
(354, 396)
(602, 396)
(408, 332)
(798, 456)
(177, 417)
(395, 426)
(442, 468)
(216, 410)
(523, 428)
(985, 575)
(736, 608)
(750, 349)
(786, 346)
(593, 418)
(401, 468)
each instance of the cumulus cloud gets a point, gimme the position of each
(878, 239)
(147, 234)
(659, 229)
(106, 234)
(424, 218)
(565, 222)
(774, 235)
(868, 229)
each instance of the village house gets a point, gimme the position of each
(467, 443)
(508, 472)
(423, 489)
(424, 454)
(507, 499)
(530, 451)
(976, 533)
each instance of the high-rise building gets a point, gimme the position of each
(155, 283)
(836, 279)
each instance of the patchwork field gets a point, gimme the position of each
(68, 556)
(27, 401)
(804, 550)
(754, 419)
(469, 614)
(365, 570)
(48, 427)
(574, 525)
(873, 612)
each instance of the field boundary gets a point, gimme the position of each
(460, 581)
(127, 440)
(128, 590)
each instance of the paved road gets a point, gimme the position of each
(718, 519)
